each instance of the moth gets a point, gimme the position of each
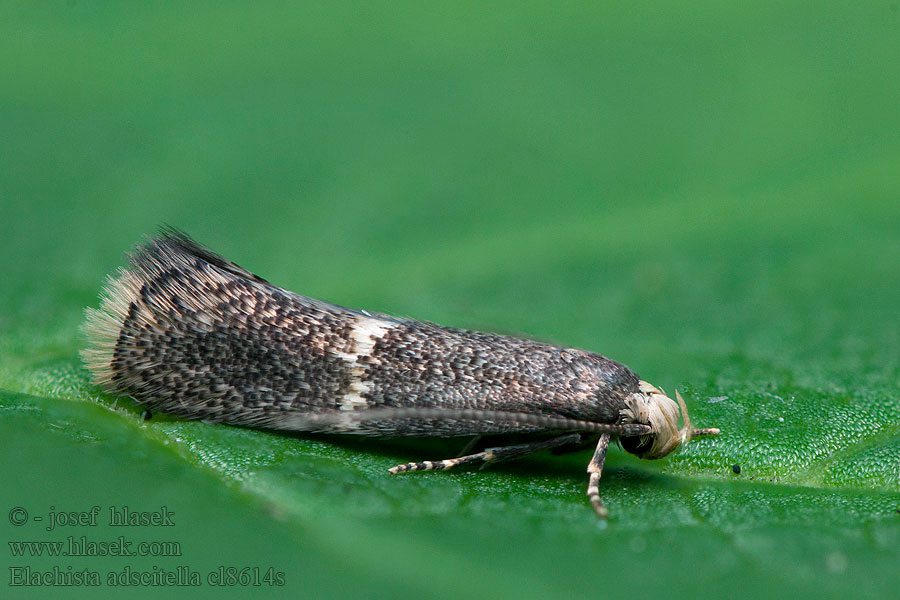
(186, 332)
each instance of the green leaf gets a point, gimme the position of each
(707, 195)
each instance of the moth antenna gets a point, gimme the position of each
(705, 431)
(313, 421)
(686, 431)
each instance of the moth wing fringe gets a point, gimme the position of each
(103, 326)
(172, 238)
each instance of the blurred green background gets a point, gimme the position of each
(708, 193)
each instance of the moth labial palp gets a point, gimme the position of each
(186, 332)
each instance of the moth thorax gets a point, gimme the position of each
(652, 407)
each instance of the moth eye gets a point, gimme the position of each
(637, 444)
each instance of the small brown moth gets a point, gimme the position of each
(186, 332)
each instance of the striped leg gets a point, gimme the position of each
(595, 468)
(490, 455)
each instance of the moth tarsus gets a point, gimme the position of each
(489, 455)
(186, 332)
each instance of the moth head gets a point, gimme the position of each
(652, 407)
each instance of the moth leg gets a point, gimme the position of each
(489, 455)
(595, 468)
